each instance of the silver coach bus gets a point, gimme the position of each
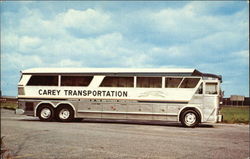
(182, 95)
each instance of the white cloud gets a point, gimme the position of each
(30, 23)
(24, 44)
(16, 61)
(243, 54)
(87, 21)
(27, 42)
(194, 21)
(242, 57)
(9, 40)
(182, 22)
(138, 61)
(172, 51)
(67, 63)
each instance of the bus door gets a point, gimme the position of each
(211, 99)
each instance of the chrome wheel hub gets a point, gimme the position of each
(190, 118)
(45, 113)
(64, 114)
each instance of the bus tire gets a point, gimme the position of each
(190, 118)
(45, 112)
(64, 113)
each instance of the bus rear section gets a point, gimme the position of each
(179, 95)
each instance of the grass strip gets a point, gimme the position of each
(235, 114)
(9, 105)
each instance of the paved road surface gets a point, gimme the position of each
(27, 137)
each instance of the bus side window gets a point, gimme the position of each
(110, 81)
(149, 82)
(43, 81)
(200, 89)
(189, 82)
(211, 88)
(171, 82)
(76, 80)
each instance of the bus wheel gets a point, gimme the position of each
(190, 118)
(65, 113)
(45, 113)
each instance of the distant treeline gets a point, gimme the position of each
(229, 102)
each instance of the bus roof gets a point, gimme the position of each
(108, 70)
(152, 71)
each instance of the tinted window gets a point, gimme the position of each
(43, 81)
(118, 82)
(149, 82)
(211, 88)
(200, 89)
(76, 80)
(172, 82)
(189, 82)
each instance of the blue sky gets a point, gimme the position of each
(209, 36)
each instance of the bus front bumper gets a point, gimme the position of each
(19, 111)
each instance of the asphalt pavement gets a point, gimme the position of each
(27, 137)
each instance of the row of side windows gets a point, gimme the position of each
(113, 81)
